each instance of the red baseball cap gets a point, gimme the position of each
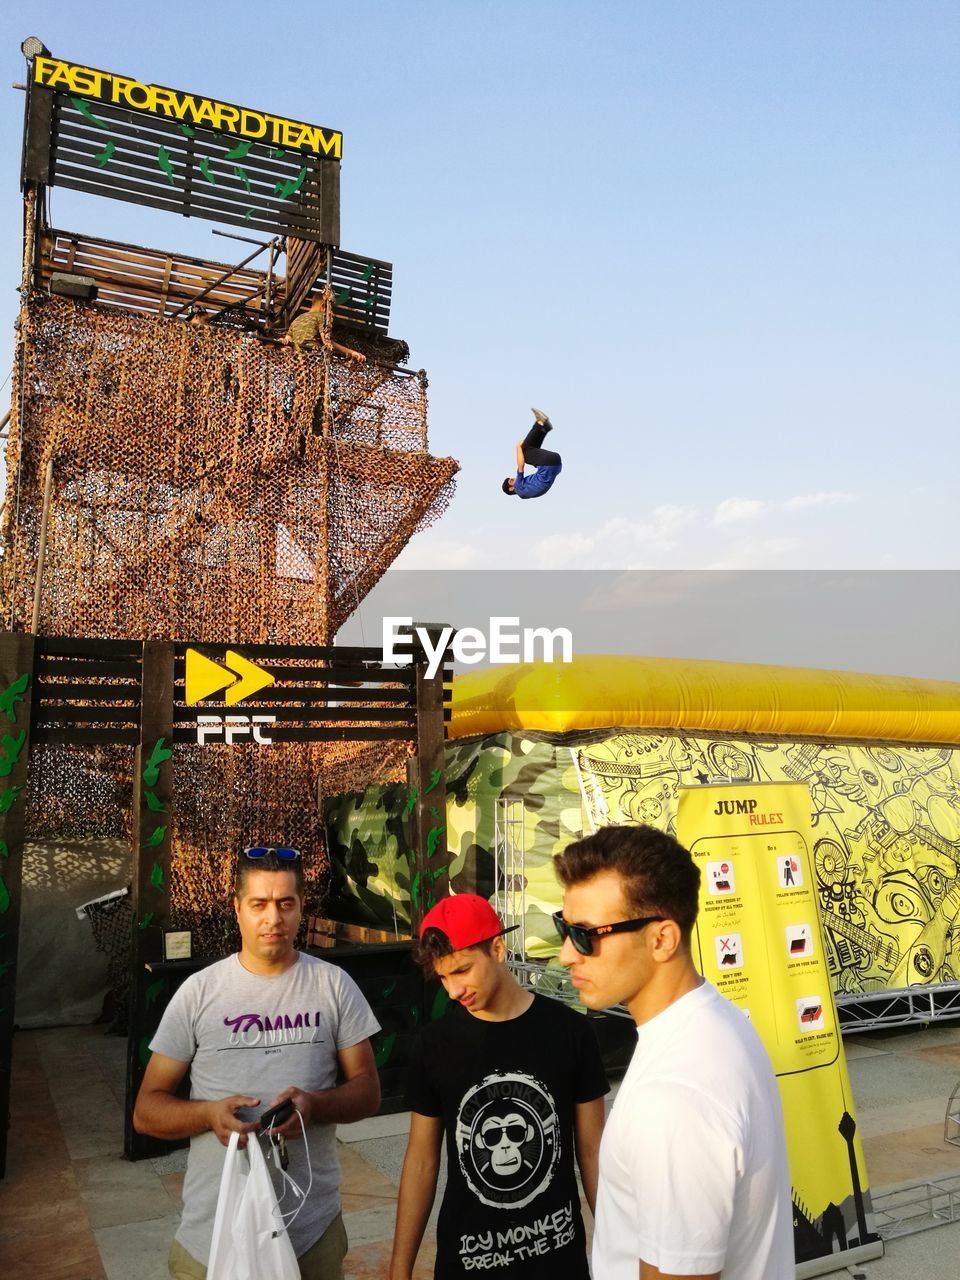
(466, 919)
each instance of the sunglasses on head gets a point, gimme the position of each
(582, 937)
(265, 850)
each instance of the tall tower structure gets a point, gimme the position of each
(176, 470)
(173, 470)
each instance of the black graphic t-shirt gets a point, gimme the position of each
(506, 1092)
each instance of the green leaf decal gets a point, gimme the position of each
(166, 164)
(204, 167)
(435, 777)
(104, 157)
(4, 850)
(4, 898)
(248, 215)
(186, 131)
(153, 804)
(155, 837)
(291, 186)
(433, 839)
(11, 752)
(85, 111)
(278, 153)
(156, 876)
(239, 151)
(7, 798)
(147, 920)
(12, 695)
(368, 274)
(242, 175)
(342, 298)
(411, 802)
(158, 756)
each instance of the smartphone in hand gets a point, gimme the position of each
(276, 1116)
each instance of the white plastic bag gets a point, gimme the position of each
(250, 1241)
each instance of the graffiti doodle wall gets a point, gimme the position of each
(885, 819)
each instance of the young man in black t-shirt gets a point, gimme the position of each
(516, 1083)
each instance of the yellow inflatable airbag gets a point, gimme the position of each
(603, 691)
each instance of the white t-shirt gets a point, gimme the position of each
(693, 1162)
(246, 1033)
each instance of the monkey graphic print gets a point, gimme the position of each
(507, 1139)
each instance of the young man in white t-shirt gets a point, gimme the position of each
(694, 1179)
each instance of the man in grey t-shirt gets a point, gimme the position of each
(249, 1027)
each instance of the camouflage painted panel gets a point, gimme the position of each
(886, 823)
(368, 842)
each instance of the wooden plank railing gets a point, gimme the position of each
(149, 281)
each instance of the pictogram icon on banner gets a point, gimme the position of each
(239, 676)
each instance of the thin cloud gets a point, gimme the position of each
(617, 543)
(738, 533)
(764, 553)
(439, 554)
(806, 501)
(734, 509)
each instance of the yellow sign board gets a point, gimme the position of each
(185, 108)
(240, 677)
(758, 939)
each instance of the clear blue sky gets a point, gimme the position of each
(717, 241)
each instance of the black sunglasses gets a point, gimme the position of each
(264, 851)
(492, 1137)
(582, 937)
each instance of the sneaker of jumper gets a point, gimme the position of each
(541, 418)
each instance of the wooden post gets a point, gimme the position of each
(422, 380)
(31, 205)
(42, 549)
(165, 286)
(429, 881)
(268, 291)
(328, 330)
(16, 687)
(150, 836)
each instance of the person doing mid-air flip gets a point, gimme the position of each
(530, 452)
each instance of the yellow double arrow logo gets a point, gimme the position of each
(205, 677)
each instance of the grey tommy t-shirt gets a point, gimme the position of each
(243, 1033)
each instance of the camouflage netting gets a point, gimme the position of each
(111, 923)
(225, 799)
(233, 801)
(196, 497)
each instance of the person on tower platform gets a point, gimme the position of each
(311, 327)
